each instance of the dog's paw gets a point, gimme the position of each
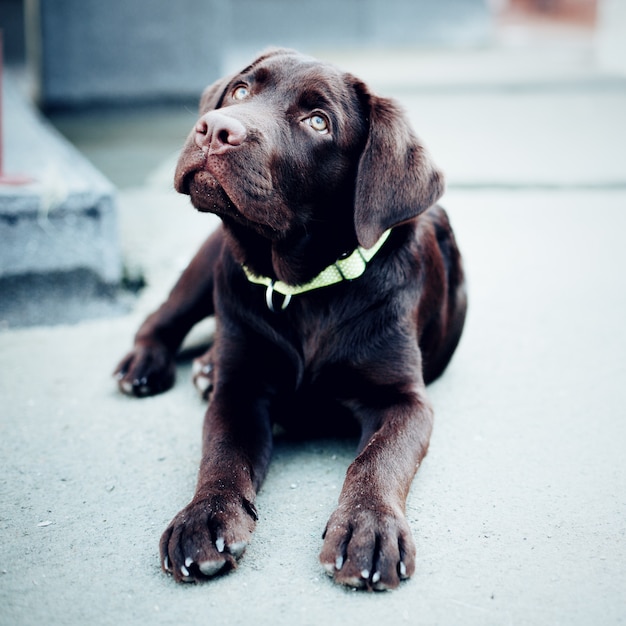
(207, 537)
(202, 373)
(368, 547)
(146, 370)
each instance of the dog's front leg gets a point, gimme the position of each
(209, 535)
(149, 368)
(367, 541)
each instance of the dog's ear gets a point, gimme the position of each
(213, 95)
(396, 178)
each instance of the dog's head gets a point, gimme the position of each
(291, 144)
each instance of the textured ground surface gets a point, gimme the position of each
(518, 511)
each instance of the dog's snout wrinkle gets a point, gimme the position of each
(217, 133)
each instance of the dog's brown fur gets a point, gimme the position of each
(295, 192)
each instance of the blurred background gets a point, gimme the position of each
(104, 93)
(82, 55)
(86, 52)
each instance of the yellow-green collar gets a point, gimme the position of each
(346, 268)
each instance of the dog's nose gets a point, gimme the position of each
(216, 133)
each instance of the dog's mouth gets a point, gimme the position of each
(196, 178)
(190, 163)
(236, 188)
(206, 193)
(209, 196)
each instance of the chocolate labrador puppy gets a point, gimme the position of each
(338, 293)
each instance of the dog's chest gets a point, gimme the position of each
(323, 339)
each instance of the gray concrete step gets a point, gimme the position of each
(62, 225)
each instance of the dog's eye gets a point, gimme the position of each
(240, 92)
(318, 123)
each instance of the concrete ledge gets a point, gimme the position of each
(64, 220)
(60, 258)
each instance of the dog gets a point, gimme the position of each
(338, 293)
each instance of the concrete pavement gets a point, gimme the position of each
(519, 511)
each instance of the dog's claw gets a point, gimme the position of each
(219, 544)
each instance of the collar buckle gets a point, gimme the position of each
(269, 298)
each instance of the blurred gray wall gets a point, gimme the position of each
(12, 25)
(89, 51)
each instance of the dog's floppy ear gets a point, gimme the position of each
(396, 179)
(212, 96)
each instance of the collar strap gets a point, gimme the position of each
(347, 268)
